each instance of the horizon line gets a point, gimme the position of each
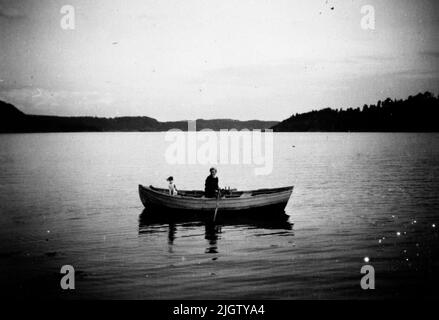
(213, 119)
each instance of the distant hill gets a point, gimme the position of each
(415, 114)
(418, 113)
(13, 120)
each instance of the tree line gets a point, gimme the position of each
(419, 113)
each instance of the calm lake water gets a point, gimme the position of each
(72, 199)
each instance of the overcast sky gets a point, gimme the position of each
(246, 59)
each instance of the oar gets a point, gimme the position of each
(217, 203)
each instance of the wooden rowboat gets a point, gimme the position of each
(265, 200)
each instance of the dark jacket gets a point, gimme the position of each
(211, 186)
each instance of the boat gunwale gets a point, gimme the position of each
(287, 189)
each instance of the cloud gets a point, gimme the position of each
(35, 100)
(10, 13)
(433, 54)
(417, 74)
(304, 71)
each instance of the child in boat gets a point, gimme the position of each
(172, 187)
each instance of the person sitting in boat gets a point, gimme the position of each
(211, 188)
(172, 187)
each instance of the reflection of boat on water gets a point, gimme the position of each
(264, 201)
(151, 221)
(278, 220)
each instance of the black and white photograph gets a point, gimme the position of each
(219, 151)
